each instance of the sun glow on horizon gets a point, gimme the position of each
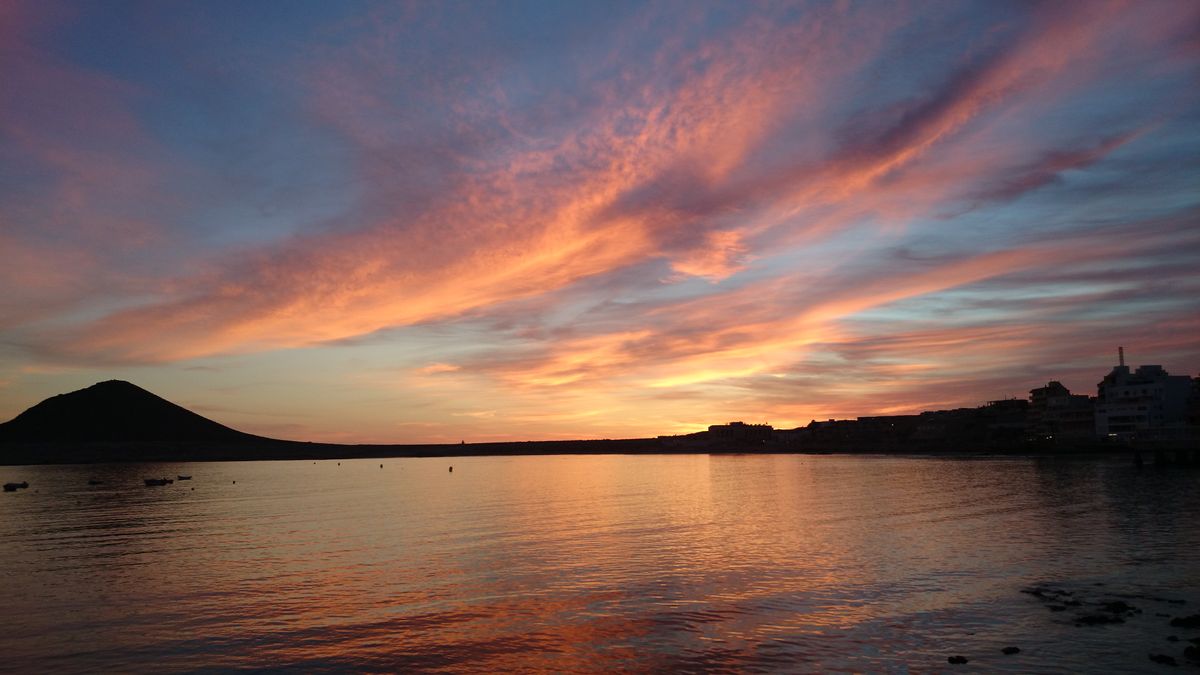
(614, 220)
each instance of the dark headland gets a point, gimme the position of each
(116, 421)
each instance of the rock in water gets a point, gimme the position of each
(1192, 621)
(1097, 620)
(1163, 659)
(1011, 650)
(956, 660)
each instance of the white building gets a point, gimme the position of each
(1145, 403)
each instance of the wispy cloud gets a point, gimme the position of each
(661, 200)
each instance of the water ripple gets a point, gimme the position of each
(592, 564)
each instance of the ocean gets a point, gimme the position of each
(651, 563)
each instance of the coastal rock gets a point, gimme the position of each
(1192, 621)
(1119, 607)
(1163, 659)
(1097, 620)
(1047, 593)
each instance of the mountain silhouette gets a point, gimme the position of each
(116, 421)
(115, 411)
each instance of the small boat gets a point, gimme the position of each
(150, 482)
(13, 487)
(183, 477)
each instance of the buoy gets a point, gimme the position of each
(235, 482)
(381, 466)
(451, 469)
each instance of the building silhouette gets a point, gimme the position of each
(1146, 407)
(1055, 414)
(740, 432)
(1147, 403)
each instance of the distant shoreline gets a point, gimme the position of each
(25, 453)
(31, 453)
(116, 421)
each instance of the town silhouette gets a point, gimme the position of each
(1134, 410)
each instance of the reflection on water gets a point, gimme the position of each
(593, 563)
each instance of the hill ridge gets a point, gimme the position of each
(116, 411)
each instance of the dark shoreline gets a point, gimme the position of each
(26, 453)
(31, 453)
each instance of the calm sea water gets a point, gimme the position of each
(783, 563)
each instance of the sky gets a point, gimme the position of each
(441, 221)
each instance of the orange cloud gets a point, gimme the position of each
(517, 227)
(435, 368)
(727, 205)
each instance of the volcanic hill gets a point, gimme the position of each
(115, 411)
(116, 421)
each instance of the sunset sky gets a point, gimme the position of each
(499, 221)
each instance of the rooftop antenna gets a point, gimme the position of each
(1121, 355)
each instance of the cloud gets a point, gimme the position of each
(536, 218)
(669, 200)
(755, 328)
(1048, 168)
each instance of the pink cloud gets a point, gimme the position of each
(712, 161)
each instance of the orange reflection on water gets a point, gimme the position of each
(558, 563)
